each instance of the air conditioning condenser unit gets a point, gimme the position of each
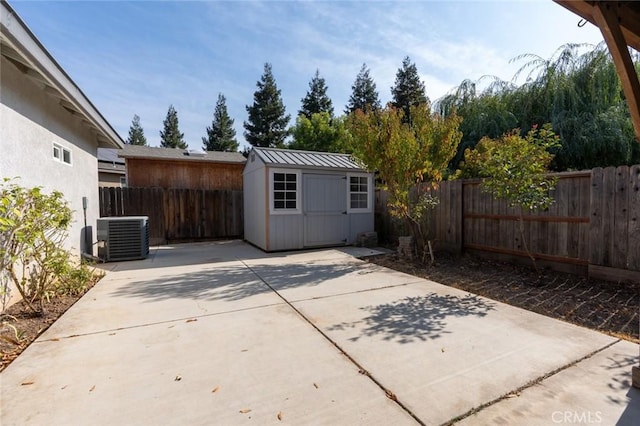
(123, 238)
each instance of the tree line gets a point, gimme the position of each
(578, 92)
(316, 127)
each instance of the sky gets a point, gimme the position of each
(139, 57)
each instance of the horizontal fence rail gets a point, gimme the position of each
(178, 214)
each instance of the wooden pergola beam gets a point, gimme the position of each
(607, 17)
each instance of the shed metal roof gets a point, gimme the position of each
(306, 159)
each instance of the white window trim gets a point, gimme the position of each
(298, 209)
(369, 208)
(61, 151)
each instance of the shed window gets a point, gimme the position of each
(285, 191)
(359, 192)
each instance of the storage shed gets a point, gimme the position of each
(301, 199)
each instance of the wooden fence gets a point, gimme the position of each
(178, 214)
(593, 227)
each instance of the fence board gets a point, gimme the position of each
(178, 214)
(608, 214)
(621, 223)
(633, 245)
(573, 209)
(562, 197)
(454, 229)
(596, 251)
(585, 238)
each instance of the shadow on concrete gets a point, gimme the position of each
(295, 275)
(232, 282)
(165, 256)
(621, 381)
(416, 318)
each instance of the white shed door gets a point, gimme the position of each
(325, 210)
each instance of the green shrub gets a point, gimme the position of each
(33, 227)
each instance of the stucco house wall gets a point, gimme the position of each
(42, 108)
(31, 122)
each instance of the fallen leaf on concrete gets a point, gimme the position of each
(280, 415)
(192, 320)
(112, 334)
(315, 386)
(64, 387)
(245, 350)
(442, 350)
(245, 410)
(92, 388)
(178, 378)
(391, 395)
(26, 383)
(55, 339)
(216, 389)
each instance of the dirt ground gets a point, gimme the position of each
(20, 326)
(609, 307)
(600, 305)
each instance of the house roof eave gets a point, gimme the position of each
(20, 46)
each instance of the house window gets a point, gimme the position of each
(123, 181)
(285, 191)
(57, 152)
(359, 192)
(61, 154)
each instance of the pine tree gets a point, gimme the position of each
(136, 133)
(316, 99)
(267, 124)
(221, 136)
(409, 90)
(171, 137)
(364, 95)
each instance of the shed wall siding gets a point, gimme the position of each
(360, 222)
(149, 173)
(30, 122)
(286, 232)
(254, 164)
(254, 214)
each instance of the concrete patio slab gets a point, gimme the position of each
(260, 362)
(442, 351)
(125, 299)
(153, 340)
(328, 277)
(595, 391)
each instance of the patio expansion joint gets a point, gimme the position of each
(530, 384)
(356, 292)
(150, 324)
(388, 393)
